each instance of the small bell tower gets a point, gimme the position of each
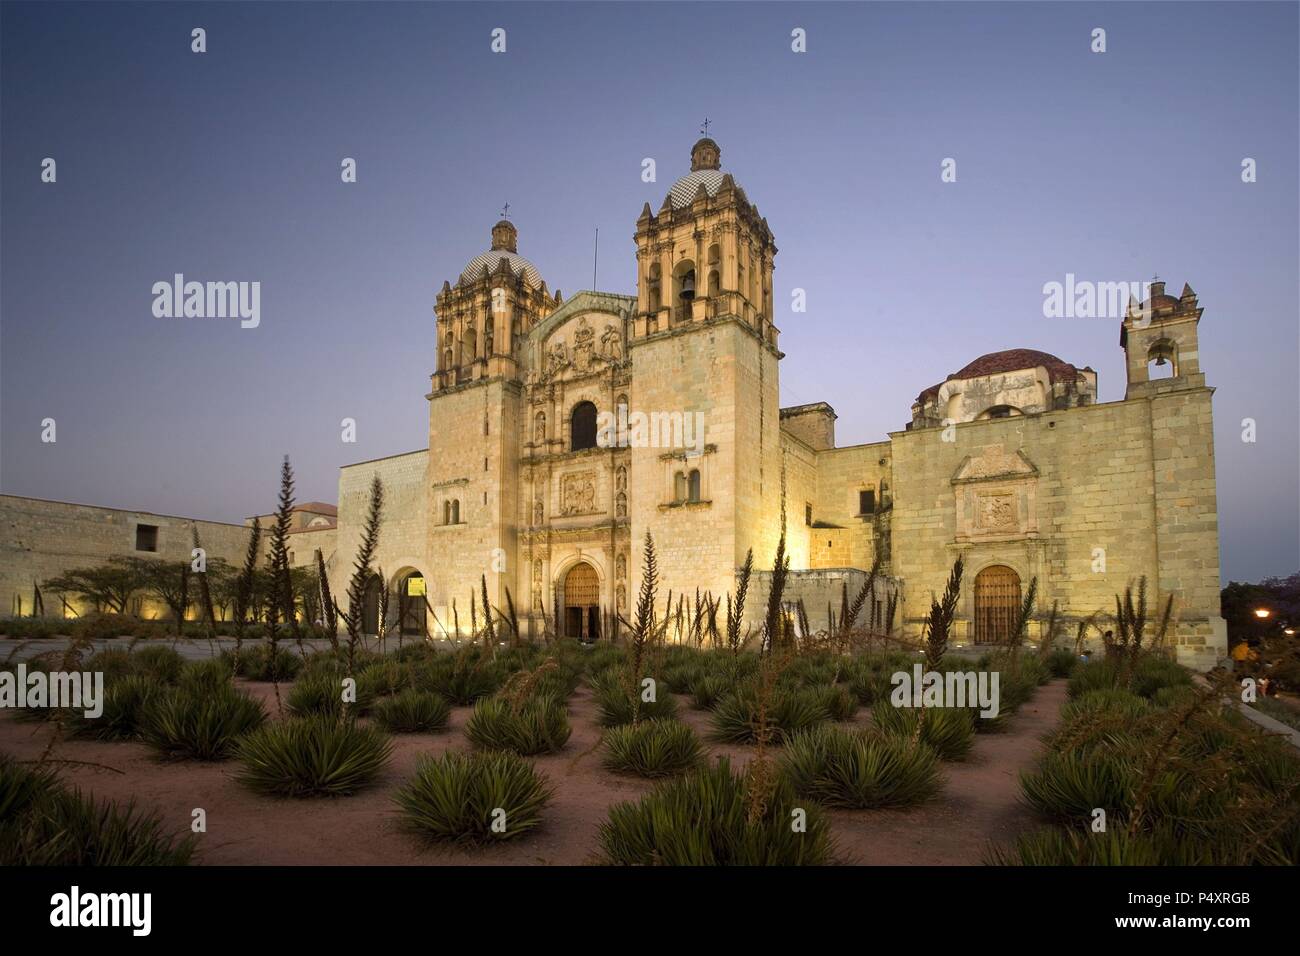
(1159, 335)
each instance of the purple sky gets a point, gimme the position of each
(225, 166)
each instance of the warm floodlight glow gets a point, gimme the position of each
(1262, 612)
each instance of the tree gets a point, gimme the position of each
(110, 585)
(245, 584)
(279, 598)
(169, 582)
(362, 571)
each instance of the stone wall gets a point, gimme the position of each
(41, 539)
(403, 532)
(1086, 500)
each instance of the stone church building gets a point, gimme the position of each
(561, 431)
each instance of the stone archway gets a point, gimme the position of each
(581, 614)
(412, 604)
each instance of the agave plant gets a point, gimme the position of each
(736, 717)
(621, 704)
(312, 756)
(533, 725)
(43, 823)
(652, 748)
(859, 769)
(412, 712)
(323, 694)
(705, 818)
(199, 724)
(839, 702)
(474, 798)
(948, 731)
(1067, 787)
(124, 706)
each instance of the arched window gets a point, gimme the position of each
(653, 288)
(582, 426)
(455, 511)
(446, 512)
(487, 338)
(715, 283)
(448, 359)
(693, 485)
(683, 289)
(679, 486)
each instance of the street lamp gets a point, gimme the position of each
(1262, 612)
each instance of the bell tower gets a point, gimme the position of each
(483, 318)
(704, 347)
(707, 253)
(1160, 336)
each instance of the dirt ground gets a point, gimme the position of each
(978, 803)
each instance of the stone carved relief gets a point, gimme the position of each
(578, 494)
(995, 493)
(622, 566)
(611, 344)
(996, 512)
(557, 358)
(584, 345)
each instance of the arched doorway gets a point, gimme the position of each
(997, 604)
(370, 606)
(582, 603)
(412, 605)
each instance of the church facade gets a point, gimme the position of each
(562, 431)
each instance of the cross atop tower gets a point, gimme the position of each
(704, 129)
(505, 211)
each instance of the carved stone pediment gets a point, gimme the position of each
(582, 345)
(995, 462)
(995, 496)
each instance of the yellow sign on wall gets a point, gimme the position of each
(415, 587)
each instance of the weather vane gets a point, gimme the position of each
(505, 211)
(704, 130)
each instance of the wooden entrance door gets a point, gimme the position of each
(997, 604)
(582, 603)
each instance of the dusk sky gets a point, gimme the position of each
(225, 166)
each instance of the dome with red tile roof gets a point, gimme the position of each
(1010, 360)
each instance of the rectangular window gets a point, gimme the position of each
(867, 502)
(807, 514)
(146, 537)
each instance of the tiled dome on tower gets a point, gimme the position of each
(505, 243)
(706, 170)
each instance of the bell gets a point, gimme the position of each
(688, 286)
(1160, 360)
